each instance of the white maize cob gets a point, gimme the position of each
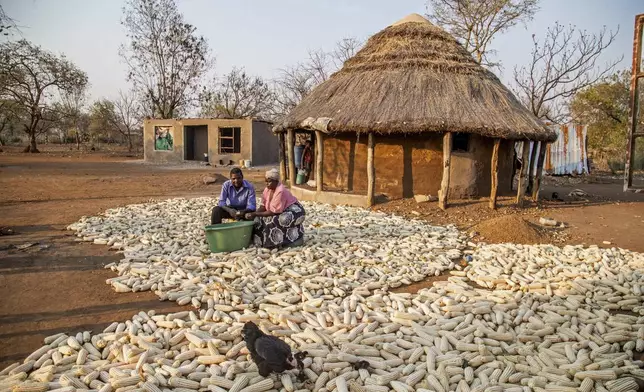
(31, 387)
(124, 382)
(416, 377)
(218, 381)
(150, 387)
(321, 381)
(63, 389)
(240, 383)
(622, 385)
(587, 385)
(287, 383)
(340, 383)
(261, 386)
(211, 359)
(25, 367)
(603, 375)
(70, 381)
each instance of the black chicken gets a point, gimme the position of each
(269, 353)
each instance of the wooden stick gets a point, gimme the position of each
(495, 173)
(291, 157)
(537, 180)
(319, 161)
(522, 173)
(634, 111)
(371, 170)
(447, 157)
(280, 140)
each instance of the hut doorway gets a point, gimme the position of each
(305, 154)
(195, 142)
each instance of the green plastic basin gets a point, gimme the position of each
(229, 237)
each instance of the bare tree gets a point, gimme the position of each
(318, 66)
(344, 50)
(32, 78)
(122, 115)
(128, 113)
(165, 56)
(475, 23)
(565, 63)
(7, 24)
(289, 88)
(71, 111)
(237, 95)
(296, 82)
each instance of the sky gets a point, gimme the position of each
(264, 36)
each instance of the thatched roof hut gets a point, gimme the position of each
(414, 80)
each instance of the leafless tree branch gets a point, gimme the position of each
(7, 24)
(238, 95)
(295, 82)
(165, 56)
(476, 23)
(566, 62)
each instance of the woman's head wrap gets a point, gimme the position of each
(273, 174)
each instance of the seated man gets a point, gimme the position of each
(237, 198)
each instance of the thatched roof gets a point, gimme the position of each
(414, 77)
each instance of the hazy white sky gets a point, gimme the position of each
(266, 35)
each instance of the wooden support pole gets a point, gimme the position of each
(371, 170)
(447, 158)
(495, 173)
(319, 161)
(290, 149)
(533, 162)
(522, 173)
(280, 140)
(537, 179)
(634, 115)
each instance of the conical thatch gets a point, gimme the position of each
(414, 77)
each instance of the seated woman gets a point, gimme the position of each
(280, 217)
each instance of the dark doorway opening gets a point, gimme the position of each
(195, 142)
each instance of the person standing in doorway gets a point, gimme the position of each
(307, 158)
(237, 198)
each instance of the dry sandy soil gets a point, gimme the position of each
(58, 284)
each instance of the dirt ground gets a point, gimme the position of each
(56, 283)
(49, 282)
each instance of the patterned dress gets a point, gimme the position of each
(282, 229)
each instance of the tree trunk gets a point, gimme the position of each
(32, 147)
(129, 143)
(77, 140)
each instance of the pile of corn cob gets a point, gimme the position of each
(346, 248)
(544, 320)
(451, 337)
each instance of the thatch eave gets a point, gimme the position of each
(545, 134)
